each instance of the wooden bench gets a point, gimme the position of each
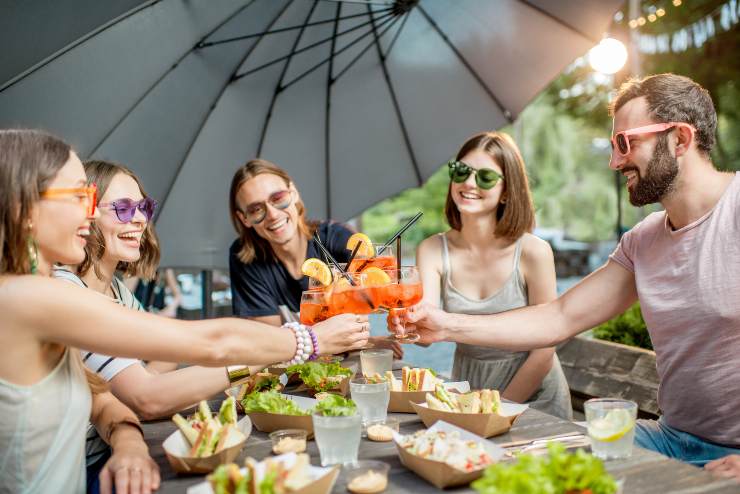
(598, 368)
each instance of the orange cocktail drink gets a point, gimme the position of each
(348, 299)
(385, 260)
(315, 307)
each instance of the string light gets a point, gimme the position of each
(654, 14)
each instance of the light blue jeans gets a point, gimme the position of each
(655, 435)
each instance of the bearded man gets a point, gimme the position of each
(682, 264)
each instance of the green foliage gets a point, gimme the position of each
(559, 472)
(563, 135)
(628, 328)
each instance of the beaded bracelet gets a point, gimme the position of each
(315, 342)
(304, 345)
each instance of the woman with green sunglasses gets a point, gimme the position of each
(490, 262)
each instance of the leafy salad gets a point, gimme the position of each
(336, 406)
(274, 402)
(320, 377)
(271, 402)
(559, 472)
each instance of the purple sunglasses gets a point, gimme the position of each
(126, 208)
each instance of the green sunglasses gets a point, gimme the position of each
(485, 178)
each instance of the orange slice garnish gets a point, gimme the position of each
(318, 270)
(374, 276)
(366, 250)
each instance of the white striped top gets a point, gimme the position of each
(104, 365)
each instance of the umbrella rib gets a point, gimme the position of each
(74, 44)
(398, 33)
(507, 114)
(363, 51)
(396, 106)
(212, 107)
(327, 112)
(342, 50)
(279, 86)
(361, 2)
(282, 30)
(167, 72)
(305, 48)
(559, 20)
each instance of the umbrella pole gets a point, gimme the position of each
(206, 277)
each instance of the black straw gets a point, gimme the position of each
(352, 256)
(397, 235)
(333, 261)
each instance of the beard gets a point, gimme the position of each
(660, 176)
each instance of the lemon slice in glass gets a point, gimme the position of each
(612, 426)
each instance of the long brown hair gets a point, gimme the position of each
(101, 173)
(29, 161)
(252, 245)
(515, 216)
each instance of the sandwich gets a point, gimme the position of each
(483, 401)
(418, 379)
(276, 478)
(205, 434)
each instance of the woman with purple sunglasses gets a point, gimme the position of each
(122, 240)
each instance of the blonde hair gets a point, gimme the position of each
(252, 245)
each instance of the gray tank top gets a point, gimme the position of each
(42, 434)
(493, 368)
(512, 295)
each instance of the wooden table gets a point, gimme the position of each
(645, 472)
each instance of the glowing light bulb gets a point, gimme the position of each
(608, 57)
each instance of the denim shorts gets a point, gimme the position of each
(655, 435)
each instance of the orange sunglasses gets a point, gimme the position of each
(89, 193)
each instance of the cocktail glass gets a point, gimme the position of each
(405, 290)
(338, 438)
(371, 399)
(314, 307)
(352, 298)
(386, 260)
(611, 427)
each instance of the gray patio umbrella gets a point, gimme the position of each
(358, 100)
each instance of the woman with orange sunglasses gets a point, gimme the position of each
(44, 395)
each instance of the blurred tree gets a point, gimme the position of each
(564, 137)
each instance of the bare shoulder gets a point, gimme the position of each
(429, 252)
(535, 251)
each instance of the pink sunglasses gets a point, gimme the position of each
(621, 143)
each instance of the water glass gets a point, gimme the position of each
(611, 427)
(376, 361)
(338, 438)
(371, 399)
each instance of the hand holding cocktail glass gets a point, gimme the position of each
(423, 319)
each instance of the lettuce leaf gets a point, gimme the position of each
(336, 406)
(271, 402)
(559, 472)
(318, 376)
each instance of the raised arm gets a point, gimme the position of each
(606, 292)
(55, 311)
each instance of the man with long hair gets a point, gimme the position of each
(275, 238)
